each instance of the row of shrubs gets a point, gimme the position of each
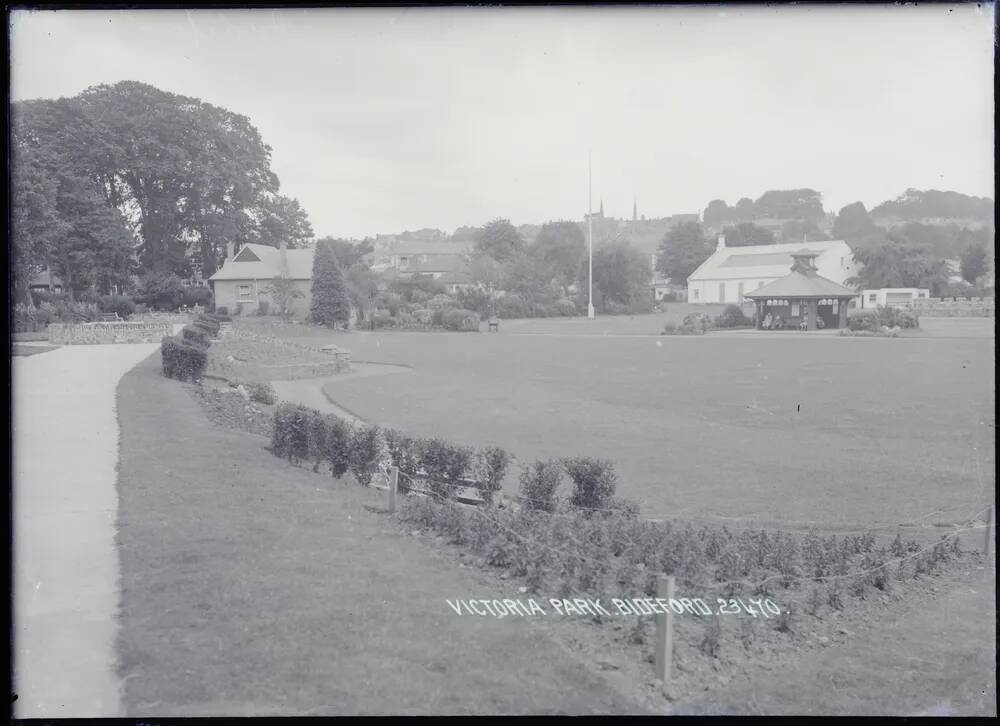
(732, 316)
(302, 434)
(874, 319)
(184, 356)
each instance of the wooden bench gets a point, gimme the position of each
(494, 325)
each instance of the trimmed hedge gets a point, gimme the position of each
(191, 335)
(181, 360)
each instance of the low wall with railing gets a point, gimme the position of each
(106, 333)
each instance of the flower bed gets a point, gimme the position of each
(233, 408)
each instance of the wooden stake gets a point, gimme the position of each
(393, 484)
(664, 629)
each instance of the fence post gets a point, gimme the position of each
(393, 484)
(990, 524)
(664, 629)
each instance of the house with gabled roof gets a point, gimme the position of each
(246, 277)
(731, 272)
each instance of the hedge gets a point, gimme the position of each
(464, 320)
(181, 360)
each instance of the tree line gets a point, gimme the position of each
(127, 180)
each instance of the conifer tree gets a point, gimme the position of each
(330, 302)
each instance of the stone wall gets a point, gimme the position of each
(955, 307)
(104, 333)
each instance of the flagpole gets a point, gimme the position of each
(590, 237)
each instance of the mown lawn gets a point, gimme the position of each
(826, 431)
(250, 587)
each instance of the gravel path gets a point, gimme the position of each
(65, 504)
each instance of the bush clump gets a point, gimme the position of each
(492, 467)
(463, 320)
(539, 484)
(290, 434)
(594, 482)
(732, 316)
(195, 336)
(182, 360)
(123, 306)
(262, 393)
(338, 446)
(363, 453)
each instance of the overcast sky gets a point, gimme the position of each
(384, 120)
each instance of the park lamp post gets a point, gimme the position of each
(590, 240)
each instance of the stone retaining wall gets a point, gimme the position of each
(103, 333)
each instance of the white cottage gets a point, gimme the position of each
(732, 272)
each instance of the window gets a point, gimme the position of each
(873, 297)
(404, 261)
(795, 308)
(243, 291)
(921, 294)
(696, 294)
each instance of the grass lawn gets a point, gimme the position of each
(789, 431)
(250, 587)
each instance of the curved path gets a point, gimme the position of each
(65, 505)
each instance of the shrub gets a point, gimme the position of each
(404, 453)
(25, 318)
(697, 322)
(338, 445)
(363, 453)
(565, 307)
(464, 320)
(511, 306)
(444, 463)
(594, 482)
(439, 302)
(390, 301)
(894, 317)
(732, 317)
(539, 484)
(383, 319)
(865, 319)
(161, 291)
(316, 435)
(119, 304)
(290, 432)
(263, 307)
(195, 336)
(196, 295)
(493, 463)
(181, 360)
(613, 307)
(262, 392)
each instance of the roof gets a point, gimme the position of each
(761, 261)
(801, 285)
(420, 247)
(46, 278)
(262, 262)
(430, 262)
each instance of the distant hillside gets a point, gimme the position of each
(933, 205)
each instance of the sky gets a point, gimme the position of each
(382, 120)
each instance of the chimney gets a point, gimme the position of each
(230, 250)
(721, 244)
(283, 257)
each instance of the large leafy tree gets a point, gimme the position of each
(348, 253)
(621, 274)
(499, 239)
(894, 262)
(717, 214)
(330, 303)
(790, 204)
(683, 248)
(35, 221)
(177, 166)
(560, 246)
(278, 218)
(853, 223)
(973, 263)
(915, 204)
(747, 233)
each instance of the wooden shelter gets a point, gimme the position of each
(802, 298)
